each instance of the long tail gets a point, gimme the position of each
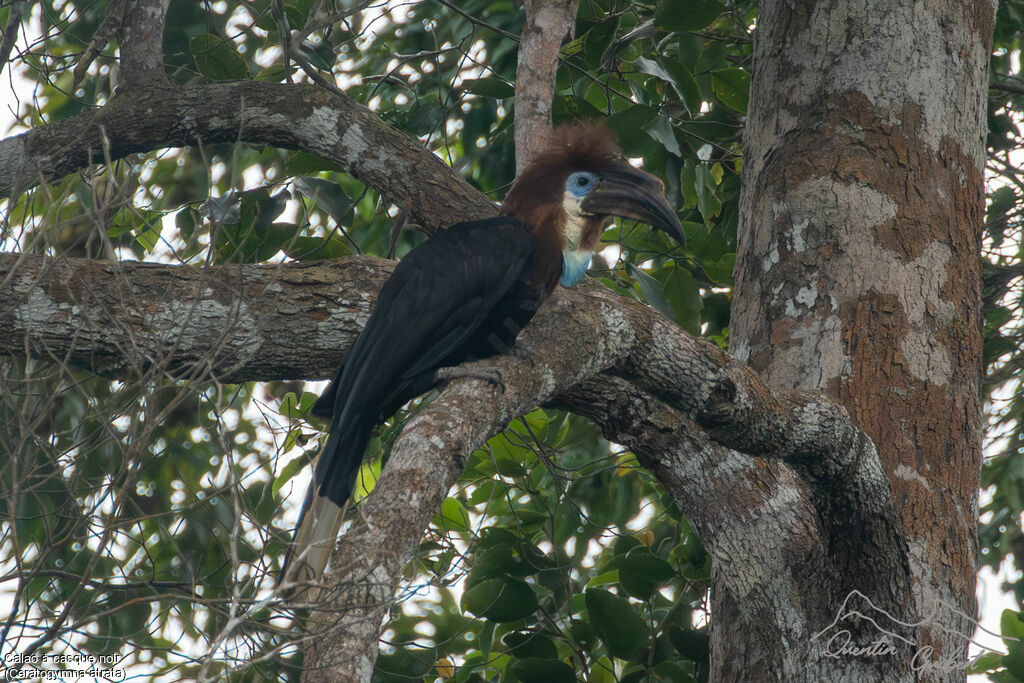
(323, 509)
(312, 544)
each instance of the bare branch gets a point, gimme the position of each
(112, 19)
(11, 32)
(547, 24)
(142, 40)
(257, 322)
(290, 116)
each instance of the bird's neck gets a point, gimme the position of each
(565, 241)
(581, 233)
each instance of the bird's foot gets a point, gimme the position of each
(474, 370)
(522, 354)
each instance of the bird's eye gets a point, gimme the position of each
(580, 183)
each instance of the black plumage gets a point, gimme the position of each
(465, 294)
(426, 318)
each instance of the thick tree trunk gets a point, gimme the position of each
(858, 274)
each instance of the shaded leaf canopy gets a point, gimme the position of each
(151, 512)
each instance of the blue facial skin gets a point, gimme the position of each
(574, 261)
(580, 183)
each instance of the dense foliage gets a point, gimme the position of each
(148, 517)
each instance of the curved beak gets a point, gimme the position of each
(628, 192)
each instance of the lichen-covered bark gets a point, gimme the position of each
(548, 22)
(792, 531)
(291, 116)
(857, 269)
(243, 323)
(236, 322)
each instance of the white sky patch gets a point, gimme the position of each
(20, 90)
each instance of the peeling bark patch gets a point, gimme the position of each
(37, 306)
(327, 121)
(354, 141)
(910, 474)
(814, 349)
(921, 72)
(866, 264)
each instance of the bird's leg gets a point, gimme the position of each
(474, 370)
(522, 354)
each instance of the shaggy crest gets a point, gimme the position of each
(571, 147)
(579, 144)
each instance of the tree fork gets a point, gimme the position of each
(858, 265)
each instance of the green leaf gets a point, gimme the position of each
(629, 124)
(328, 195)
(686, 15)
(623, 544)
(583, 633)
(720, 271)
(1012, 626)
(496, 88)
(501, 600)
(597, 40)
(186, 222)
(224, 209)
(274, 73)
(685, 84)
(408, 663)
(688, 184)
(295, 13)
(661, 130)
(453, 516)
(295, 407)
(217, 58)
(642, 562)
(1014, 661)
(683, 293)
(617, 624)
(565, 107)
(732, 87)
(652, 68)
(524, 645)
(304, 163)
(258, 209)
(547, 670)
(986, 663)
(321, 55)
(652, 292)
(486, 638)
(366, 480)
(692, 645)
(707, 196)
(491, 563)
(148, 234)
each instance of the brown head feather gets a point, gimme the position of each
(536, 197)
(576, 146)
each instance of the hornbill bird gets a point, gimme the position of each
(463, 295)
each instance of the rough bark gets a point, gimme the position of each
(858, 271)
(291, 116)
(141, 44)
(791, 532)
(548, 22)
(257, 322)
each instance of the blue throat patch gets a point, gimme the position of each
(574, 266)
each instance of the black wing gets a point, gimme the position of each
(438, 296)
